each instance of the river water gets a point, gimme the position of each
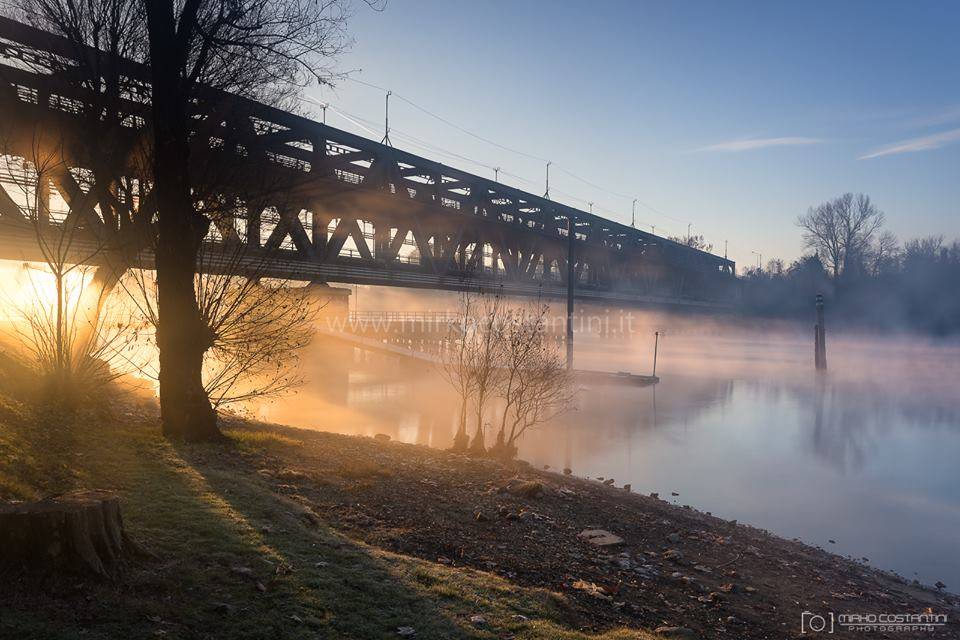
(866, 456)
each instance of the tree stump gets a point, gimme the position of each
(80, 531)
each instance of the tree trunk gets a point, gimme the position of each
(92, 300)
(182, 335)
(461, 440)
(80, 531)
(477, 446)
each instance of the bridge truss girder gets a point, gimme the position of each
(326, 204)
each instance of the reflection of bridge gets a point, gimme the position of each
(439, 325)
(423, 337)
(353, 210)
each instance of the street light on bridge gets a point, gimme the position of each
(386, 121)
(547, 193)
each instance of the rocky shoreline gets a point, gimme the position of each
(618, 557)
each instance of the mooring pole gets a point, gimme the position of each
(571, 276)
(656, 347)
(820, 338)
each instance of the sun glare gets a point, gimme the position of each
(27, 286)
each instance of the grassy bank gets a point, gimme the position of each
(235, 558)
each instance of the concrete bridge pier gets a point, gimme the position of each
(328, 361)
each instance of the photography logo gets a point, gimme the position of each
(816, 623)
(828, 623)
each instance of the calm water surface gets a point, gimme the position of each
(867, 456)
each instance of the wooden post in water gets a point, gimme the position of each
(820, 338)
(656, 347)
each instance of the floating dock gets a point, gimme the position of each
(624, 378)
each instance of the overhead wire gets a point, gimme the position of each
(359, 123)
(409, 139)
(530, 156)
(446, 121)
(433, 148)
(366, 126)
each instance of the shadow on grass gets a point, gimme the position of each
(365, 592)
(234, 559)
(38, 451)
(315, 577)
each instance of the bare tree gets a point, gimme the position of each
(102, 39)
(884, 253)
(922, 251)
(535, 385)
(263, 49)
(456, 369)
(257, 325)
(841, 230)
(70, 349)
(474, 365)
(485, 357)
(694, 242)
(505, 354)
(775, 267)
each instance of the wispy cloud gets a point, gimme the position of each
(752, 144)
(945, 116)
(926, 143)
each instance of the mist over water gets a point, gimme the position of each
(740, 425)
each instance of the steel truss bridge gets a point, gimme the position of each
(343, 208)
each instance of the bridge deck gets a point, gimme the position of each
(325, 204)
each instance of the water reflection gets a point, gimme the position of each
(865, 456)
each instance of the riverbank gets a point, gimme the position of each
(290, 533)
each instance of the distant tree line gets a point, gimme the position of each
(869, 278)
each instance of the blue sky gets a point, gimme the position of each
(733, 116)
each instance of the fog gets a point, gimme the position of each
(740, 424)
(346, 388)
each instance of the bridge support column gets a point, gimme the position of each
(334, 304)
(328, 365)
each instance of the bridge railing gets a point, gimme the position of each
(460, 224)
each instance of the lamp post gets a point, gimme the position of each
(386, 121)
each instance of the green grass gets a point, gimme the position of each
(233, 559)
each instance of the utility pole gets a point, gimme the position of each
(591, 207)
(725, 249)
(386, 121)
(633, 214)
(571, 276)
(496, 174)
(324, 107)
(547, 193)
